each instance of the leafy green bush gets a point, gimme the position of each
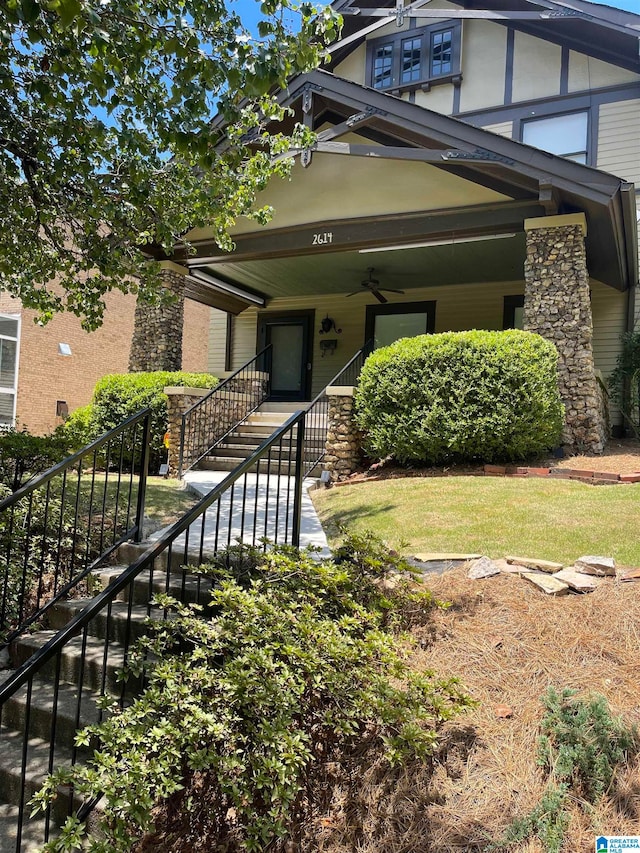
(294, 665)
(24, 456)
(37, 547)
(78, 428)
(461, 396)
(580, 746)
(624, 382)
(118, 396)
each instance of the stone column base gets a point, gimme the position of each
(343, 452)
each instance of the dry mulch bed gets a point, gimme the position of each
(508, 643)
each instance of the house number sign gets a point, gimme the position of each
(321, 238)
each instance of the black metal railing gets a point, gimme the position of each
(211, 419)
(317, 412)
(55, 691)
(56, 528)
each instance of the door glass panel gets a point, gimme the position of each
(391, 327)
(286, 368)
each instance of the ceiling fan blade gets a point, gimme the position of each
(379, 296)
(391, 290)
(355, 293)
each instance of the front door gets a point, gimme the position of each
(290, 336)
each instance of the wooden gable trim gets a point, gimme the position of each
(421, 127)
(569, 20)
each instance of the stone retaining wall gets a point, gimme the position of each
(157, 333)
(557, 306)
(343, 445)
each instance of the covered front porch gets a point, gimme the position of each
(401, 221)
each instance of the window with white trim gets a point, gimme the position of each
(415, 58)
(566, 135)
(9, 341)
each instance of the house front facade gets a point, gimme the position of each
(474, 168)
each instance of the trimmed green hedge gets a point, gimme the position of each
(118, 396)
(461, 396)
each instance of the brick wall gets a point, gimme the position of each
(45, 376)
(195, 338)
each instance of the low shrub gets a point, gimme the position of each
(78, 429)
(624, 382)
(461, 396)
(581, 747)
(24, 456)
(293, 667)
(118, 396)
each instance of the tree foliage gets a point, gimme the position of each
(106, 138)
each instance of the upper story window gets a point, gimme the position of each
(416, 57)
(566, 135)
(9, 336)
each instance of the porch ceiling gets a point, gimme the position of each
(407, 268)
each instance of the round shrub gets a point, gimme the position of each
(118, 396)
(78, 428)
(461, 396)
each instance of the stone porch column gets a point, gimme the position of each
(343, 446)
(557, 306)
(157, 332)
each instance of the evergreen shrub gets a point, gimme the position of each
(24, 456)
(118, 396)
(296, 666)
(461, 396)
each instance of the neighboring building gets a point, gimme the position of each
(48, 371)
(432, 168)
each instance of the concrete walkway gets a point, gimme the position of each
(252, 523)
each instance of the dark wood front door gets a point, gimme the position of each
(290, 336)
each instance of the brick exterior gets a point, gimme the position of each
(45, 376)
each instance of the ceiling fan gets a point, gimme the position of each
(373, 285)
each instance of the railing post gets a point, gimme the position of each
(297, 492)
(142, 483)
(181, 456)
(268, 363)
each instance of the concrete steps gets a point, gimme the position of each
(247, 437)
(91, 667)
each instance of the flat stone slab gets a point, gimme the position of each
(508, 568)
(630, 575)
(481, 568)
(534, 563)
(578, 581)
(592, 565)
(453, 557)
(547, 583)
(433, 566)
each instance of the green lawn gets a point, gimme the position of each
(166, 500)
(553, 520)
